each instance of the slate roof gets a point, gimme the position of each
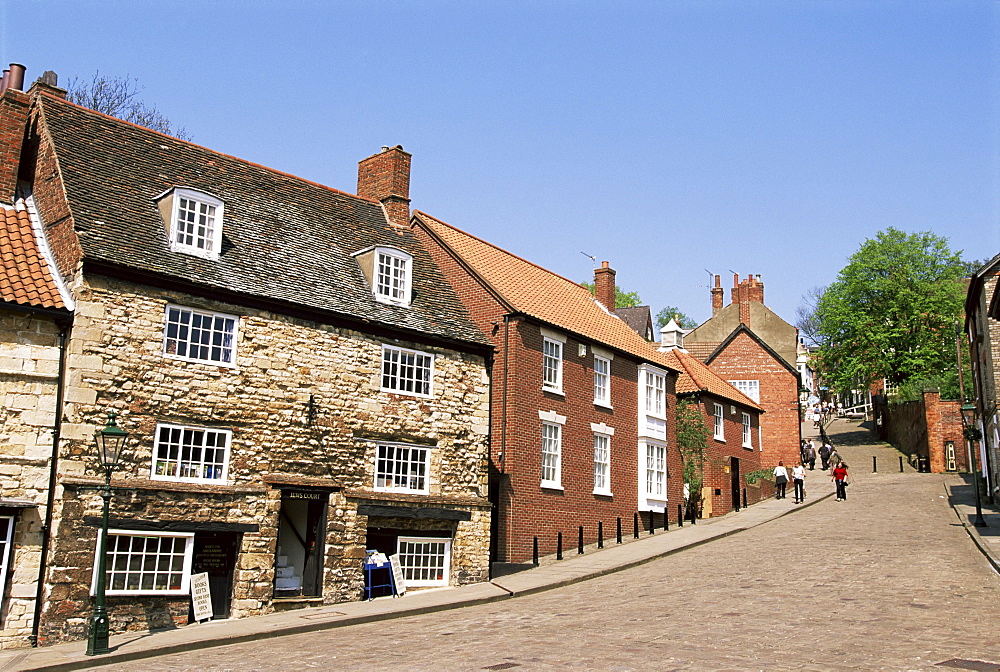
(25, 277)
(539, 293)
(285, 239)
(639, 318)
(696, 377)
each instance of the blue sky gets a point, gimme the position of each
(668, 138)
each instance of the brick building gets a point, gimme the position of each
(732, 447)
(297, 378)
(582, 405)
(749, 345)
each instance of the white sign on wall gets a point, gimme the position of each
(201, 597)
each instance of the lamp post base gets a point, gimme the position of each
(97, 639)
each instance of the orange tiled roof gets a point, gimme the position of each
(542, 294)
(696, 377)
(25, 277)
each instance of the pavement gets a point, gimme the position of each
(854, 443)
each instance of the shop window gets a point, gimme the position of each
(426, 561)
(147, 563)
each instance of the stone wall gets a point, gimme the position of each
(29, 365)
(305, 406)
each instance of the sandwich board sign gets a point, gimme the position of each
(397, 574)
(201, 597)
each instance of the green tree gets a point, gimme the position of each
(119, 97)
(692, 436)
(667, 313)
(623, 299)
(892, 311)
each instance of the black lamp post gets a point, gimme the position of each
(972, 434)
(109, 444)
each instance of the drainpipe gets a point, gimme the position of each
(53, 471)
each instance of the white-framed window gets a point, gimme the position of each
(747, 432)
(407, 371)
(6, 544)
(552, 361)
(426, 561)
(656, 470)
(401, 467)
(551, 455)
(183, 453)
(199, 336)
(656, 393)
(147, 563)
(602, 464)
(720, 427)
(392, 282)
(751, 388)
(195, 225)
(602, 381)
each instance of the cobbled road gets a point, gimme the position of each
(887, 580)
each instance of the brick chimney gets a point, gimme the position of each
(385, 177)
(13, 121)
(717, 296)
(751, 289)
(604, 285)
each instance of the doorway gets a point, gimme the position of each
(734, 474)
(215, 553)
(298, 566)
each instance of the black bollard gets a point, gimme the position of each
(694, 515)
(874, 464)
(600, 534)
(651, 530)
(900, 464)
(534, 552)
(635, 525)
(559, 547)
(619, 526)
(579, 542)
(680, 516)
(666, 520)
(744, 498)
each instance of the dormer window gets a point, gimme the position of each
(194, 221)
(388, 271)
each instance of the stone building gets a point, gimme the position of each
(982, 328)
(732, 446)
(749, 345)
(583, 406)
(298, 380)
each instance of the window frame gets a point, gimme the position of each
(446, 556)
(604, 489)
(656, 471)
(602, 389)
(719, 430)
(386, 476)
(552, 363)
(187, 558)
(6, 553)
(392, 295)
(750, 388)
(200, 199)
(399, 351)
(552, 446)
(213, 316)
(176, 478)
(655, 397)
(747, 431)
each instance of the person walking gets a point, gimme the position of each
(840, 477)
(810, 456)
(824, 455)
(799, 481)
(780, 480)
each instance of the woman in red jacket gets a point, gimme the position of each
(840, 478)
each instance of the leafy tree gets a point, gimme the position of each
(119, 97)
(692, 436)
(623, 299)
(892, 311)
(667, 313)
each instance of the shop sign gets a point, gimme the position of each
(201, 597)
(397, 573)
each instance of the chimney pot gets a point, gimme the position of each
(16, 78)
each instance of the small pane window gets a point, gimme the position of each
(425, 560)
(602, 381)
(147, 563)
(190, 454)
(656, 384)
(409, 371)
(401, 467)
(199, 336)
(720, 431)
(746, 431)
(656, 470)
(551, 455)
(552, 364)
(196, 223)
(602, 464)
(750, 388)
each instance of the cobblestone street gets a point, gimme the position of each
(888, 580)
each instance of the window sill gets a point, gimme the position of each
(206, 362)
(720, 440)
(603, 493)
(601, 404)
(553, 390)
(403, 393)
(746, 447)
(549, 485)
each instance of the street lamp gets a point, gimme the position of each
(972, 433)
(109, 444)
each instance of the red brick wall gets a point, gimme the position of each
(719, 455)
(385, 177)
(746, 359)
(923, 428)
(523, 508)
(13, 118)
